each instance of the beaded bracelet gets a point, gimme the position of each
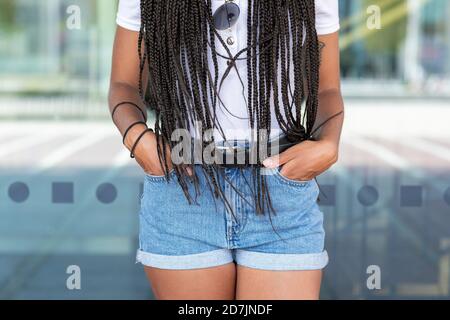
(129, 103)
(128, 129)
(137, 140)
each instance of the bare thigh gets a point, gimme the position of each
(216, 283)
(277, 285)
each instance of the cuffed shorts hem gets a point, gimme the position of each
(282, 262)
(191, 261)
(251, 259)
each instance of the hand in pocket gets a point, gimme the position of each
(146, 152)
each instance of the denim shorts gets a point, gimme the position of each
(174, 234)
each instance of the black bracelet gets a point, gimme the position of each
(137, 140)
(129, 103)
(128, 129)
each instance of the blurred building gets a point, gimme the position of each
(55, 47)
(407, 56)
(40, 54)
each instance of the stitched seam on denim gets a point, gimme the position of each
(283, 179)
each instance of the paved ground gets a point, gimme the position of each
(69, 196)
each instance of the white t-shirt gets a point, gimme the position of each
(233, 117)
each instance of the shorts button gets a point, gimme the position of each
(230, 41)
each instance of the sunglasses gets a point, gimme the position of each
(226, 16)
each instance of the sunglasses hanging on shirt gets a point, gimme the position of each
(226, 16)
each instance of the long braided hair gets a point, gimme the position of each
(183, 90)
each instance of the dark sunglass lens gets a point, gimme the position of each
(226, 16)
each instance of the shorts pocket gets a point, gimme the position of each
(156, 188)
(292, 182)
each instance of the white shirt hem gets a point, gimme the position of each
(128, 24)
(327, 29)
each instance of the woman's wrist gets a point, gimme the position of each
(330, 145)
(133, 134)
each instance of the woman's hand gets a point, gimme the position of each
(146, 152)
(305, 160)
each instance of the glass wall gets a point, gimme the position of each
(69, 191)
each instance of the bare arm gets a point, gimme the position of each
(330, 98)
(310, 158)
(124, 83)
(124, 86)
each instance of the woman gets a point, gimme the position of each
(250, 73)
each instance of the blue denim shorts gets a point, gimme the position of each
(174, 234)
